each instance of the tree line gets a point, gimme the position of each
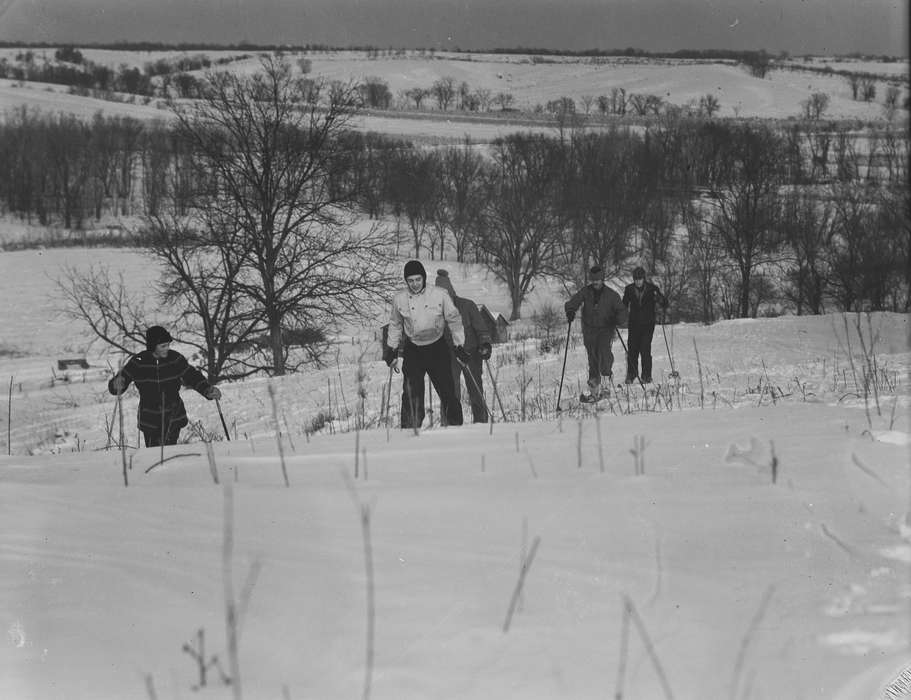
(272, 217)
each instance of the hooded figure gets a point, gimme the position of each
(602, 313)
(158, 373)
(641, 298)
(477, 345)
(418, 319)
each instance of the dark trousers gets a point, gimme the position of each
(153, 438)
(473, 374)
(600, 358)
(639, 344)
(434, 360)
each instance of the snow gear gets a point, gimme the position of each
(433, 360)
(419, 317)
(162, 413)
(223, 423)
(475, 350)
(414, 267)
(641, 299)
(629, 380)
(569, 326)
(674, 373)
(602, 312)
(156, 335)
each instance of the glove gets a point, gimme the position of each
(117, 384)
(462, 354)
(213, 393)
(389, 356)
(570, 315)
(484, 351)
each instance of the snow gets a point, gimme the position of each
(743, 587)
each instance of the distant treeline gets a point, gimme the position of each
(821, 205)
(741, 56)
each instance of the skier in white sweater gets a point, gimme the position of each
(419, 315)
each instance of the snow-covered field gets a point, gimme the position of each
(531, 83)
(390, 564)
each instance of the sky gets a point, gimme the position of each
(796, 26)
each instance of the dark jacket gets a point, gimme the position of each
(476, 332)
(601, 310)
(158, 383)
(643, 305)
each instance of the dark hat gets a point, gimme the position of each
(639, 273)
(596, 272)
(444, 282)
(414, 267)
(156, 335)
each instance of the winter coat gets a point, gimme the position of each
(476, 332)
(601, 310)
(423, 317)
(158, 382)
(643, 304)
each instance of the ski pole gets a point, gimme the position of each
(493, 383)
(641, 383)
(222, 416)
(674, 374)
(569, 326)
(476, 385)
(392, 368)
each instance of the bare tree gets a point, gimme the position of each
(413, 187)
(102, 300)
(605, 195)
(265, 150)
(744, 209)
(462, 195)
(808, 227)
(523, 225)
(444, 91)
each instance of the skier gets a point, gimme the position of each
(602, 312)
(477, 345)
(641, 299)
(420, 314)
(158, 373)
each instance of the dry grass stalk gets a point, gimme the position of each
(278, 434)
(517, 592)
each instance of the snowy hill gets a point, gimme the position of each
(745, 535)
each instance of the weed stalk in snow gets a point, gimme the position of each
(9, 419)
(371, 599)
(744, 644)
(213, 468)
(227, 575)
(638, 453)
(579, 445)
(278, 434)
(649, 647)
(701, 385)
(517, 592)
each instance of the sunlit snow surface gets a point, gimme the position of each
(743, 588)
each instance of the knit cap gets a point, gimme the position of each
(156, 335)
(444, 282)
(414, 267)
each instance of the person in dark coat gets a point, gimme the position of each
(158, 373)
(641, 299)
(419, 316)
(477, 345)
(602, 312)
